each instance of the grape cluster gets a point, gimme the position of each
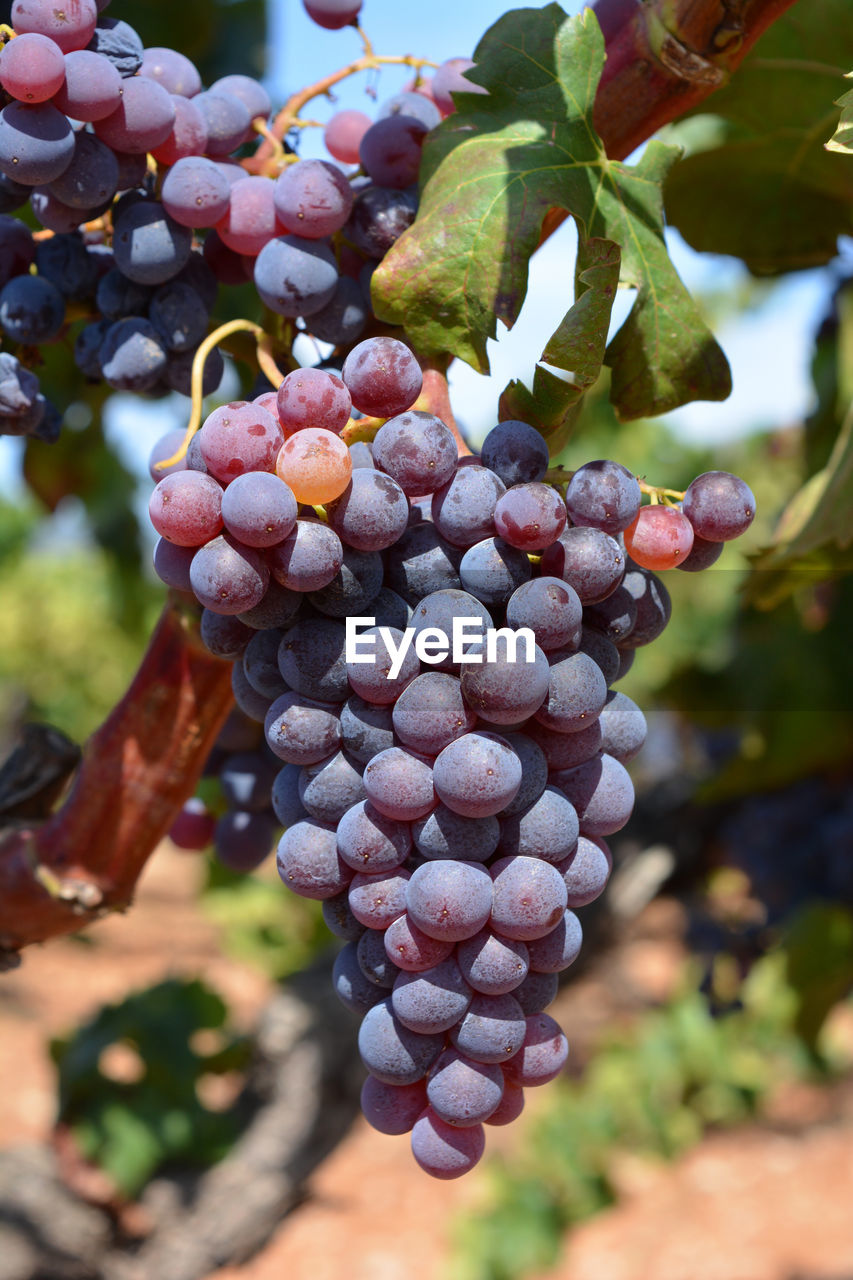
(133, 169)
(449, 807)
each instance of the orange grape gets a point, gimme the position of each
(316, 464)
(659, 538)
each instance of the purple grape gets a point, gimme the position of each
(589, 560)
(432, 1000)
(374, 961)
(445, 834)
(576, 694)
(400, 785)
(371, 513)
(586, 873)
(477, 775)
(463, 508)
(548, 829)
(449, 899)
(308, 861)
(558, 949)
(509, 687)
(492, 965)
(430, 713)
(462, 1092)
(602, 794)
(371, 843)
(302, 731)
(366, 729)
(377, 901)
(390, 150)
(550, 608)
(412, 949)
(529, 898)
(516, 452)
(543, 1054)
(259, 509)
(444, 1151)
(330, 787)
(603, 495)
(352, 987)
(391, 1052)
(492, 570)
(308, 558)
(392, 1109)
(311, 658)
(384, 379)
(492, 1030)
(719, 506)
(312, 199)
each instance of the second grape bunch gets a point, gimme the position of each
(450, 809)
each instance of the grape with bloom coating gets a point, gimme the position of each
(258, 508)
(418, 450)
(313, 398)
(316, 464)
(477, 775)
(309, 863)
(492, 1030)
(530, 516)
(463, 1092)
(719, 506)
(186, 508)
(377, 901)
(412, 949)
(392, 1109)
(308, 558)
(543, 1054)
(449, 900)
(529, 898)
(383, 377)
(400, 784)
(432, 999)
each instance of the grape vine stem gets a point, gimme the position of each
(266, 363)
(288, 117)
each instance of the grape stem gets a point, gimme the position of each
(669, 497)
(266, 363)
(288, 116)
(7, 33)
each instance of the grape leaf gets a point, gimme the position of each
(492, 171)
(577, 344)
(814, 538)
(762, 184)
(842, 139)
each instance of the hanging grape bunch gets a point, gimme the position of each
(429, 641)
(450, 809)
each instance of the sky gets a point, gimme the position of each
(769, 348)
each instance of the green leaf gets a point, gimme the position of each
(842, 139)
(577, 345)
(814, 538)
(764, 184)
(491, 173)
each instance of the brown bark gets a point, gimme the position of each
(137, 770)
(663, 57)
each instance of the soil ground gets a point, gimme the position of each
(754, 1204)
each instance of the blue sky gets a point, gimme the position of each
(769, 348)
